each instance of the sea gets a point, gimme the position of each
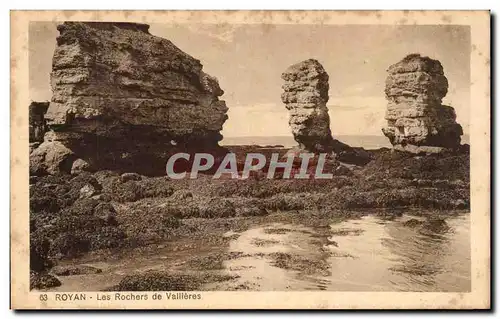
(365, 141)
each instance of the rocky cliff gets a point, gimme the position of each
(416, 119)
(121, 94)
(121, 73)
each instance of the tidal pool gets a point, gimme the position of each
(371, 253)
(368, 254)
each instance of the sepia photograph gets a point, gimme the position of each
(190, 157)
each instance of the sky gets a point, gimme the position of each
(248, 61)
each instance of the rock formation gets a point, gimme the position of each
(416, 119)
(305, 96)
(124, 97)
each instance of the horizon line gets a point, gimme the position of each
(291, 136)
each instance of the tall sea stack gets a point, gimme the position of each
(305, 96)
(417, 122)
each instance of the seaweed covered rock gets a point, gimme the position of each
(167, 281)
(39, 251)
(63, 223)
(416, 120)
(157, 281)
(79, 166)
(43, 281)
(146, 225)
(75, 270)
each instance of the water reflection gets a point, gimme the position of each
(418, 252)
(406, 253)
(432, 255)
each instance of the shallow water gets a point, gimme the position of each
(393, 255)
(368, 254)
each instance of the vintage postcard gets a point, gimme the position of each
(250, 160)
